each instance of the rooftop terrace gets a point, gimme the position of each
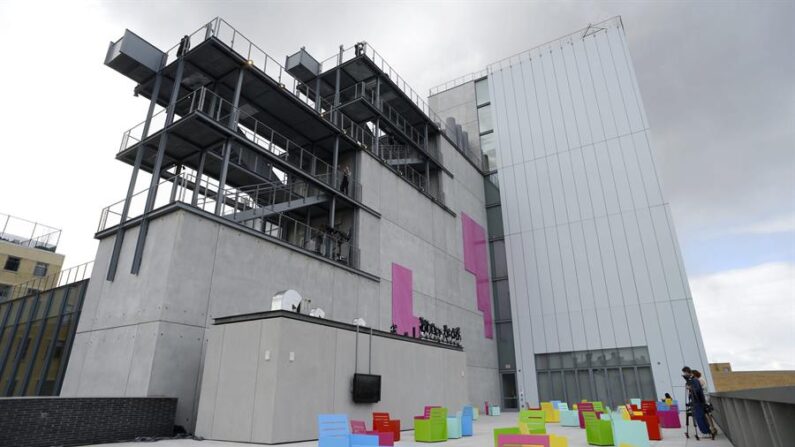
(27, 233)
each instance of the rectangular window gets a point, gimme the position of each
(489, 148)
(40, 269)
(5, 292)
(499, 266)
(484, 118)
(494, 219)
(502, 300)
(482, 91)
(12, 264)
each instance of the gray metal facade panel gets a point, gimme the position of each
(594, 261)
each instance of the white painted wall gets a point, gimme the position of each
(592, 253)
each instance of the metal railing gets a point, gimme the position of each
(367, 50)
(27, 233)
(62, 278)
(458, 81)
(756, 417)
(244, 124)
(326, 242)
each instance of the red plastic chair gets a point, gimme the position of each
(649, 407)
(382, 423)
(652, 425)
(586, 406)
(384, 438)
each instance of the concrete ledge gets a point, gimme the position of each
(48, 421)
(330, 323)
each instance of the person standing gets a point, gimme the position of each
(707, 408)
(346, 173)
(697, 400)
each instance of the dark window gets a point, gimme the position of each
(12, 264)
(40, 269)
(5, 291)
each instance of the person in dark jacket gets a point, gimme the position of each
(697, 400)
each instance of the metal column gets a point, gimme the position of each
(197, 185)
(114, 257)
(219, 200)
(161, 149)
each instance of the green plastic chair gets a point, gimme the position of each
(598, 406)
(505, 431)
(432, 429)
(597, 431)
(533, 422)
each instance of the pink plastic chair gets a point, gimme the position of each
(384, 438)
(669, 418)
(542, 440)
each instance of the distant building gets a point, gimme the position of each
(727, 380)
(27, 253)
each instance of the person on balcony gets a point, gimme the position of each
(346, 173)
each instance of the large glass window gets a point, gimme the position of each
(484, 118)
(505, 346)
(482, 91)
(609, 375)
(502, 300)
(499, 266)
(489, 147)
(494, 218)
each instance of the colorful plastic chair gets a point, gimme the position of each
(568, 418)
(652, 425)
(583, 407)
(475, 413)
(504, 431)
(384, 438)
(454, 426)
(494, 410)
(598, 406)
(532, 422)
(551, 414)
(630, 433)
(555, 404)
(597, 431)
(382, 423)
(669, 419)
(335, 431)
(504, 440)
(432, 428)
(466, 416)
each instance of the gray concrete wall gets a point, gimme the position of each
(144, 335)
(253, 392)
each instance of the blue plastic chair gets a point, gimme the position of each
(555, 404)
(334, 430)
(568, 418)
(633, 433)
(467, 415)
(454, 426)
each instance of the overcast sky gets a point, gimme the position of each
(717, 79)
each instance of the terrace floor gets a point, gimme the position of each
(482, 437)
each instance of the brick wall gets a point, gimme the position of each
(49, 421)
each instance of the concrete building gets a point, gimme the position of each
(27, 254)
(600, 306)
(553, 253)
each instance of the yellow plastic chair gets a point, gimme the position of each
(550, 413)
(558, 441)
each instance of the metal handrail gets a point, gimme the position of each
(61, 278)
(36, 235)
(458, 81)
(325, 242)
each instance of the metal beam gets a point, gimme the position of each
(161, 149)
(117, 243)
(222, 179)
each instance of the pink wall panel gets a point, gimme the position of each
(403, 301)
(476, 262)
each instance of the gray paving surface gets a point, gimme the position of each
(482, 437)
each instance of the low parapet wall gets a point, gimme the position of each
(48, 421)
